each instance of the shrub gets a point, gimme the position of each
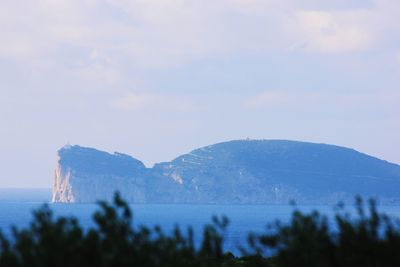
(369, 239)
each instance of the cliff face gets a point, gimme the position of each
(62, 187)
(241, 172)
(86, 174)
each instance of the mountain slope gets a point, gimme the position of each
(242, 171)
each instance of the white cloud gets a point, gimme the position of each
(166, 33)
(133, 101)
(105, 38)
(272, 98)
(155, 102)
(340, 102)
(326, 32)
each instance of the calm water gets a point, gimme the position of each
(243, 218)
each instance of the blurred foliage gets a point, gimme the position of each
(369, 239)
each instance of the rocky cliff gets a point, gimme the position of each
(235, 172)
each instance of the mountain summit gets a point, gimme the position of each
(235, 172)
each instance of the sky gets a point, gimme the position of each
(158, 78)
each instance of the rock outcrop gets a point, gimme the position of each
(235, 172)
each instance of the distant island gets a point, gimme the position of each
(234, 172)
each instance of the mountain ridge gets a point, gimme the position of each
(238, 172)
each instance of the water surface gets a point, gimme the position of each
(243, 218)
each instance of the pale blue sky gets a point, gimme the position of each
(155, 79)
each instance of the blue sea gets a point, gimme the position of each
(243, 218)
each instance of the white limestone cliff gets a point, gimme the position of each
(62, 186)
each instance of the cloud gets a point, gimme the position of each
(155, 102)
(160, 34)
(133, 101)
(116, 42)
(320, 31)
(270, 99)
(385, 102)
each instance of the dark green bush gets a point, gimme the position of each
(369, 239)
(112, 242)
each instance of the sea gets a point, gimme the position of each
(16, 210)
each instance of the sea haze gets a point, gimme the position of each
(25, 194)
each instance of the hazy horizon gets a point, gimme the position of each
(156, 79)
